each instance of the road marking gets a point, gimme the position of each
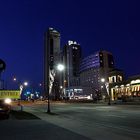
(111, 115)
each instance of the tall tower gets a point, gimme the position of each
(51, 59)
(72, 57)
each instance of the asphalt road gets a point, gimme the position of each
(76, 121)
(101, 122)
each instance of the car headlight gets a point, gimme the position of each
(7, 101)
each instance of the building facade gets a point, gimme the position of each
(71, 60)
(51, 59)
(126, 90)
(2, 68)
(92, 69)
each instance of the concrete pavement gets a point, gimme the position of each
(35, 130)
(95, 121)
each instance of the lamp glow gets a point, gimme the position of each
(60, 67)
(102, 80)
(25, 83)
(7, 101)
(14, 79)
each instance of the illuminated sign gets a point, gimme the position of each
(13, 94)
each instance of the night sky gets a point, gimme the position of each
(95, 24)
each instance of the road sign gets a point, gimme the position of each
(12, 94)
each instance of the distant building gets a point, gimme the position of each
(1, 84)
(51, 59)
(92, 69)
(2, 68)
(115, 77)
(126, 90)
(71, 60)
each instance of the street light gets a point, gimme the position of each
(60, 67)
(14, 79)
(52, 73)
(107, 89)
(20, 86)
(102, 80)
(25, 83)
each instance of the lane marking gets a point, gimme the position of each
(111, 115)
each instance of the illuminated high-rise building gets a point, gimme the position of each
(92, 69)
(51, 59)
(72, 58)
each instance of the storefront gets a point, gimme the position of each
(129, 89)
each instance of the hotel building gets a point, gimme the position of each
(92, 69)
(51, 59)
(71, 60)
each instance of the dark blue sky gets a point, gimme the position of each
(95, 24)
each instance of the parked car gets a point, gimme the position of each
(5, 107)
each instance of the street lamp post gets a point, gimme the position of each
(107, 89)
(21, 85)
(52, 73)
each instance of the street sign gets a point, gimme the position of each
(12, 94)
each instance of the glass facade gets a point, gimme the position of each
(91, 61)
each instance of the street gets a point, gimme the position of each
(77, 121)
